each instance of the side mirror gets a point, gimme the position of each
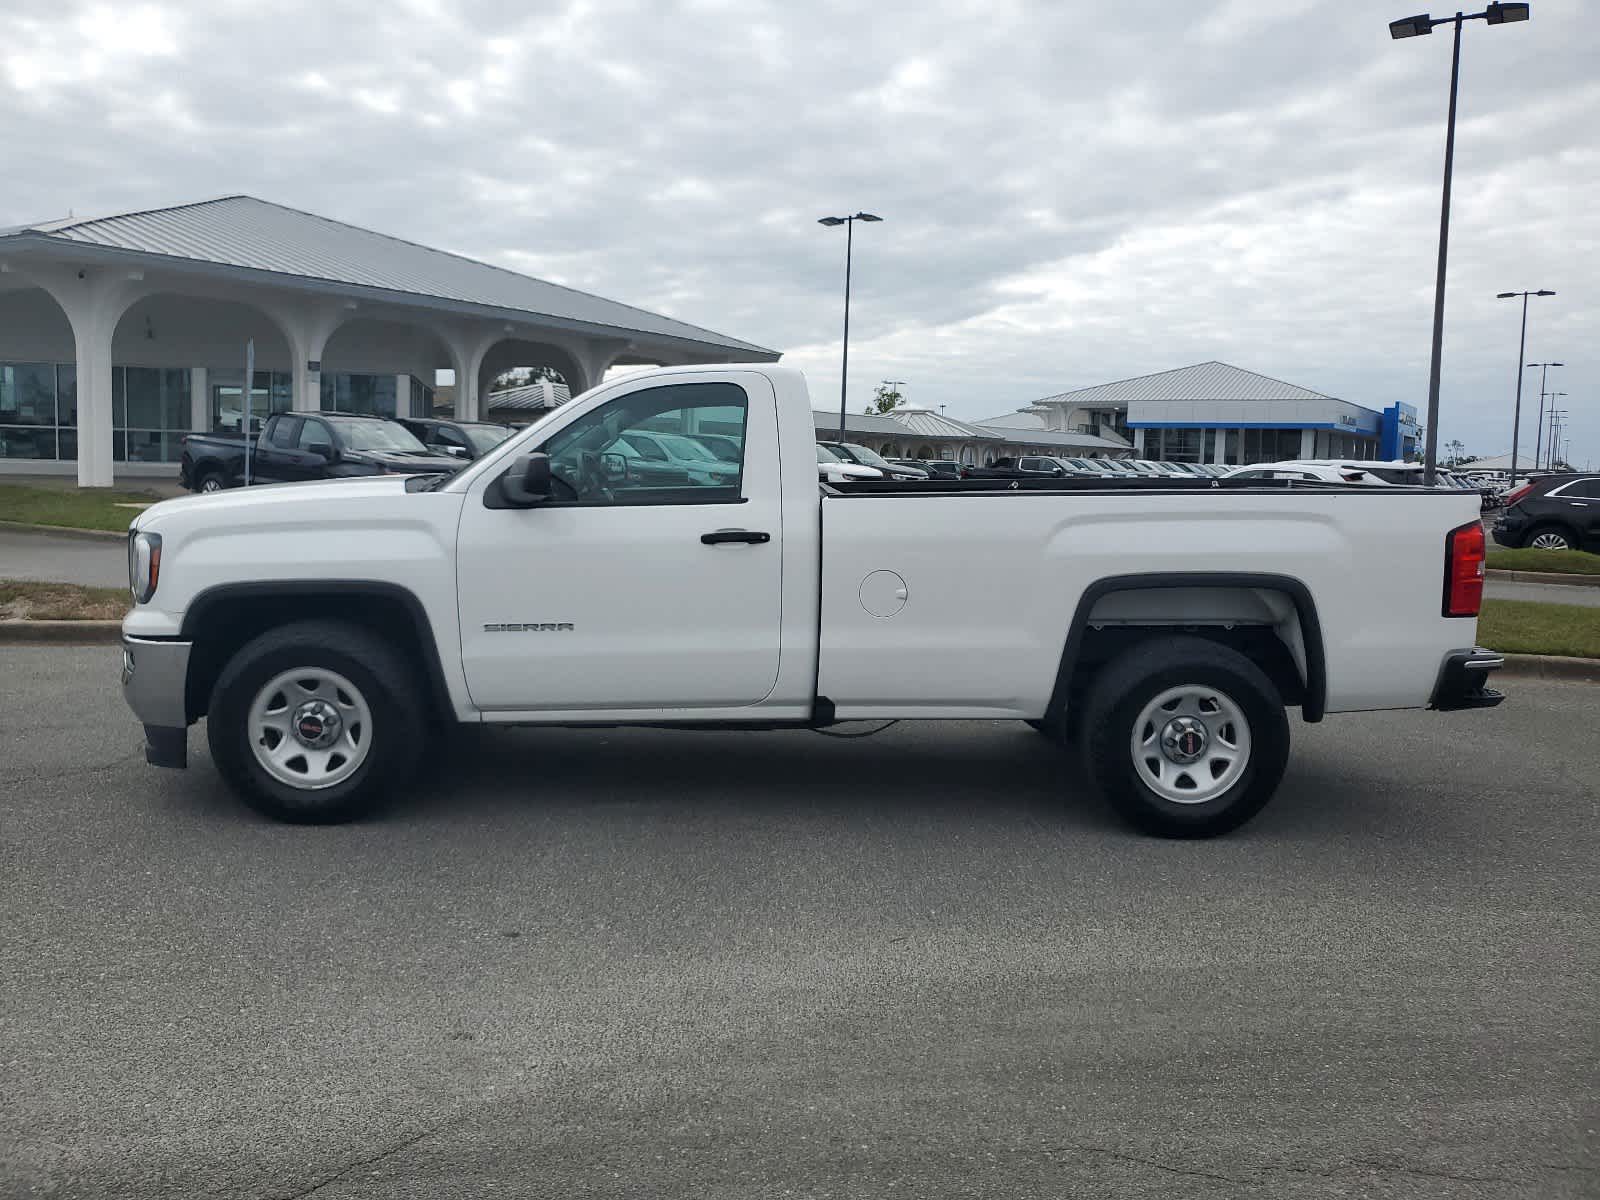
(614, 468)
(527, 483)
(455, 451)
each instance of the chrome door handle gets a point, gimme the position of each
(719, 536)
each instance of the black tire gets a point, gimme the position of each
(1137, 677)
(392, 693)
(1560, 531)
(214, 478)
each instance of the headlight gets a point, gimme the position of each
(144, 564)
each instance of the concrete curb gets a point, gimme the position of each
(88, 535)
(1548, 666)
(60, 633)
(1559, 577)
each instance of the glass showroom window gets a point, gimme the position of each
(270, 392)
(38, 411)
(150, 413)
(372, 395)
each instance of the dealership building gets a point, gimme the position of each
(1216, 413)
(120, 334)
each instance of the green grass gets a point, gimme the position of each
(1567, 562)
(71, 508)
(26, 601)
(1528, 627)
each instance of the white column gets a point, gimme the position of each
(1138, 442)
(93, 334)
(1219, 453)
(1308, 443)
(199, 401)
(402, 396)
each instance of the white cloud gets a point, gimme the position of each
(1071, 194)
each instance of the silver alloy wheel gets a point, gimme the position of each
(211, 484)
(1190, 744)
(310, 728)
(1551, 541)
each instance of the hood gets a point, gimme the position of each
(415, 464)
(252, 503)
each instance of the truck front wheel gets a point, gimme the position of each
(313, 722)
(1185, 738)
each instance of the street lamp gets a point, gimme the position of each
(1556, 418)
(1522, 348)
(1495, 14)
(849, 237)
(1544, 375)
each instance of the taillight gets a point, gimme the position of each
(1463, 571)
(1518, 494)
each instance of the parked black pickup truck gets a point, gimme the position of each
(297, 447)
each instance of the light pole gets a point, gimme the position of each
(1538, 441)
(1522, 348)
(849, 224)
(1495, 14)
(1555, 420)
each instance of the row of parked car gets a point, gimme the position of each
(847, 460)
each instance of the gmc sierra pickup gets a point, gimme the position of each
(326, 631)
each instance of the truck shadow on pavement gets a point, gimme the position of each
(998, 768)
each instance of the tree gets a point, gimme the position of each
(885, 399)
(1457, 451)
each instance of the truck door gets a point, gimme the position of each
(627, 589)
(273, 450)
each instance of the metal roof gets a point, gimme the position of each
(913, 423)
(928, 423)
(1203, 381)
(529, 397)
(255, 235)
(875, 425)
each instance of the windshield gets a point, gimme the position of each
(1397, 475)
(681, 447)
(485, 438)
(824, 455)
(862, 455)
(379, 435)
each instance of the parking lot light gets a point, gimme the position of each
(1522, 349)
(1408, 27)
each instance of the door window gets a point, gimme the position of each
(644, 448)
(1585, 488)
(285, 430)
(316, 438)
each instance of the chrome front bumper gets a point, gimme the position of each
(155, 675)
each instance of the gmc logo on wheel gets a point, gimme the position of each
(530, 627)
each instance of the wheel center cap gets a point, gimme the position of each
(1184, 739)
(316, 724)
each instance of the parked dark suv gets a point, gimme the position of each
(1557, 512)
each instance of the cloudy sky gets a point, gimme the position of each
(1072, 192)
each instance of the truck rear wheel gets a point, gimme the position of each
(1185, 738)
(210, 481)
(314, 722)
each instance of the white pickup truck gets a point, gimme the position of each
(327, 631)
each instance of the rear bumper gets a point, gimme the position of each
(1463, 681)
(1508, 531)
(155, 675)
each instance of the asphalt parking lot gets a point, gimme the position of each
(642, 963)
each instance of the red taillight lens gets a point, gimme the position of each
(1463, 571)
(1518, 494)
